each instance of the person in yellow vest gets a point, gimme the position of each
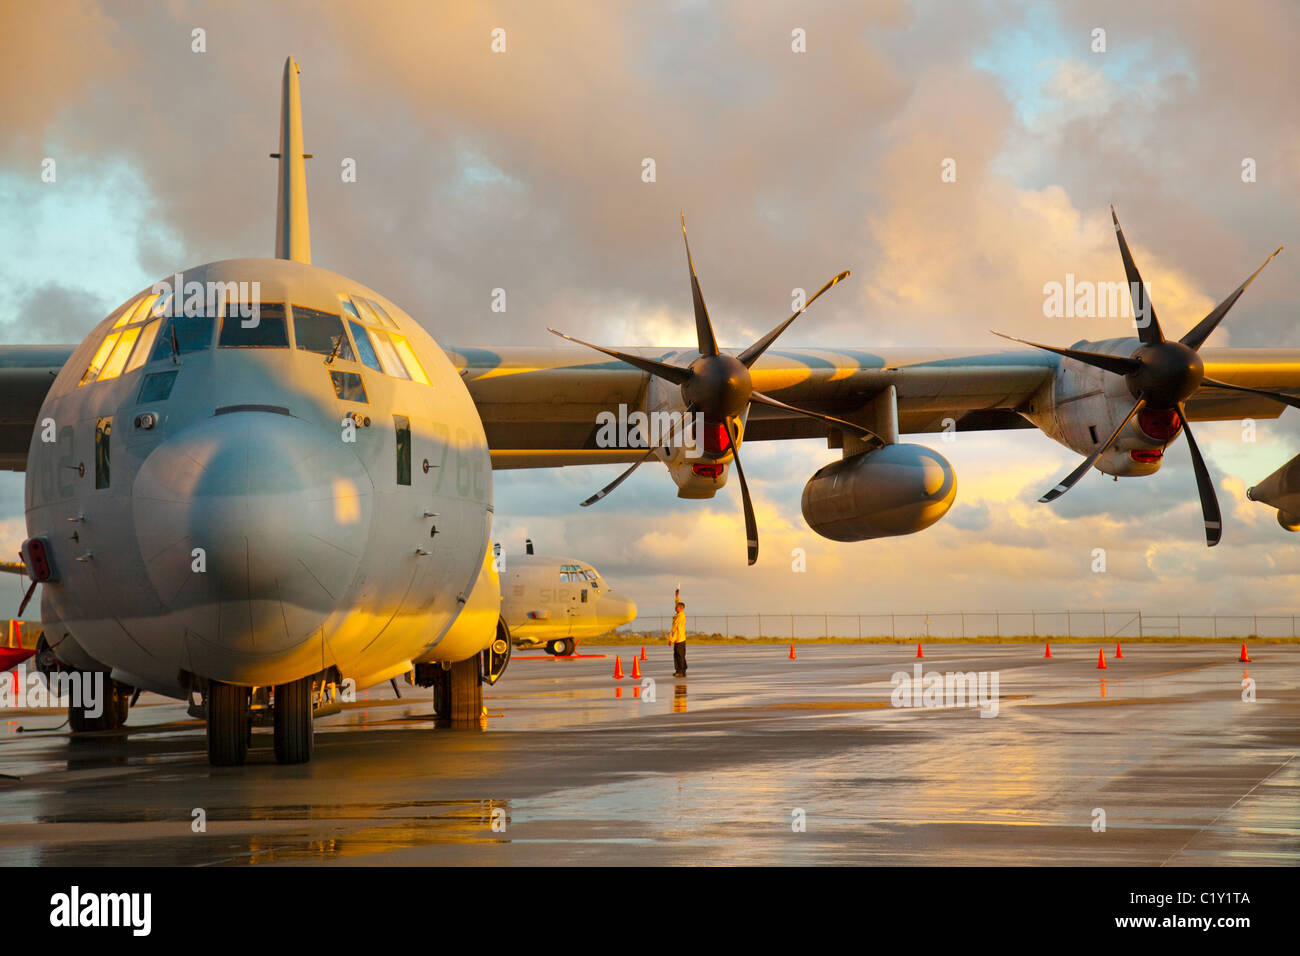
(677, 636)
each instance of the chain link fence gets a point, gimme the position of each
(959, 624)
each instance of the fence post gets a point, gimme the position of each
(1033, 622)
(1140, 631)
(1255, 630)
(963, 623)
(997, 622)
(893, 631)
(1069, 623)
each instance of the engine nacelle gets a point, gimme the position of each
(1081, 406)
(898, 489)
(697, 458)
(1281, 490)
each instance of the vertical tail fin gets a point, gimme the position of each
(292, 232)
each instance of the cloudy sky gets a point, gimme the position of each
(522, 170)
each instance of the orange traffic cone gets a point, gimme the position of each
(918, 650)
(642, 652)
(1101, 659)
(636, 668)
(1245, 657)
(1048, 653)
(618, 668)
(1118, 651)
(792, 657)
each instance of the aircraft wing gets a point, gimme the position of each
(26, 374)
(539, 405)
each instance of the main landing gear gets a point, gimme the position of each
(230, 723)
(457, 690)
(562, 647)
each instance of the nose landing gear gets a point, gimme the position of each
(112, 710)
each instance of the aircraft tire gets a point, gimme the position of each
(563, 647)
(293, 721)
(228, 726)
(466, 693)
(116, 703)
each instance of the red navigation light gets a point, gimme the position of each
(706, 471)
(37, 559)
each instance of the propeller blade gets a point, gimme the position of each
(1205, 485)
(1276, 396)
(620, 479)
(1111, 363)
(1149, 333)
(1197, 336)
(708, 345)
(751, 525)
(662, 369)
(751, 354)
(1069, 481)
(864, 433)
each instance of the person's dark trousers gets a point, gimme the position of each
(679, 657)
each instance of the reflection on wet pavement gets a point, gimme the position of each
(710, 768)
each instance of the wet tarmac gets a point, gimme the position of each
(753, 759)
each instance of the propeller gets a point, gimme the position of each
(1162, 375)
(718, 385)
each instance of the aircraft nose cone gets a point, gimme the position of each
(620, 609)
(251, 525)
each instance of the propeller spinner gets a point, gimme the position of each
(719, 385)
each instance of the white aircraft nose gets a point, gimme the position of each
(251, 525)
(620, 609)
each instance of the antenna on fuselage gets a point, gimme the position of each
(292, 232)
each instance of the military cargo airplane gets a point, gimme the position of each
(554, 601)
(259, 481)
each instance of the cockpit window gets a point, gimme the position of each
(103, 429)
(192, 333)
(392, 353)
(156, 387)
(381, 313)
(125, 347)
(364, 346)
(348, 386)
(321, 332)
(267, 330)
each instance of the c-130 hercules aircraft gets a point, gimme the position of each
(251, 513)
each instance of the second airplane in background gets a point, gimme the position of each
(551, 601)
